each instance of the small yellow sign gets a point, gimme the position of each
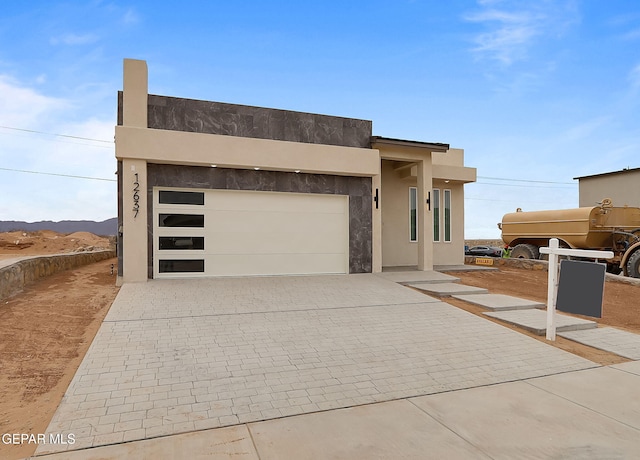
(484, 261)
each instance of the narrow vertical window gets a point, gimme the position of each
(436, 214)
(413, 214)
(447, 215)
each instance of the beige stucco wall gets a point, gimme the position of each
(623, 188)
(134, 224)
(178, 147)
(376, 222)
(134, 95)
(397, 250)
(451, 253)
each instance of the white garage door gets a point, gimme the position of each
(235, 233)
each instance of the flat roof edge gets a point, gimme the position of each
(624, 170)
(434, 146)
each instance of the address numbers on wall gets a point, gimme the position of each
(136, 196)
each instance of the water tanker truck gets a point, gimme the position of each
(602, 227)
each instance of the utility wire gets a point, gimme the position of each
(56, 174)
(525, 186)
(505, 201)
(55, 134)
(526, 180)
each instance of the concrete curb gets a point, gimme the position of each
(14, 277)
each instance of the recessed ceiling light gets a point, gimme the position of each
(214, 166)
(257, 169)
(297, 171)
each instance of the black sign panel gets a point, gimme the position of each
(581, 287)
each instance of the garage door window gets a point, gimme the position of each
(176, 197)
(181, 266)
(181, 242)
(181, 220)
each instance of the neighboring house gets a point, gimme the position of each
(623, 187)
(214, 189)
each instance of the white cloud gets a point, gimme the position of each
(74, 39)
(21, 106)
(130, 17)
(583, 130)
(632, 34)
(41, 196)
(511, 28)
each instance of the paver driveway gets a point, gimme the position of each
(174, 356)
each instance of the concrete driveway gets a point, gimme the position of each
(177, 356)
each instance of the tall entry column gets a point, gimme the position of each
(134, 176)
(425, 216)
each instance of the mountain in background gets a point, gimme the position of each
(104, 228)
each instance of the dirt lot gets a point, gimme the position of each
(45, 333)
(19, 243)
(47, 329)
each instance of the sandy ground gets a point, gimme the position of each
(47, 329)
(44, 334)
(19, 243)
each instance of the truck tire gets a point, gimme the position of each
(633, 265)
(525, 251)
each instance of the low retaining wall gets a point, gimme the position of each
(529, 264)
(534, 264)
(15, 277)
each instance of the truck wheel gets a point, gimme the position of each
(633, 265)
(525, 251)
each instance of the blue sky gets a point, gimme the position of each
(532, 90)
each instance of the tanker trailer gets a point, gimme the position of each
(602, 227)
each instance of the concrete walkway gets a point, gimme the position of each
(178, 356)
(623, 343)
(535, 320)
(570, 415)
(529, 315)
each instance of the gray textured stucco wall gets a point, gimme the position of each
(357, 188)
(257, 122)
(179, 114)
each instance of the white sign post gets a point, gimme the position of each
(554, 250)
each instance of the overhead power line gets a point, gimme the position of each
(525, 180)
(526, 186)
(57, 174)
(56, 134)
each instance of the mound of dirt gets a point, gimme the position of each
(43, 242)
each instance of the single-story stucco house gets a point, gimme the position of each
(216, 189)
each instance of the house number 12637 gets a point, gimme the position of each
(136, 196)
